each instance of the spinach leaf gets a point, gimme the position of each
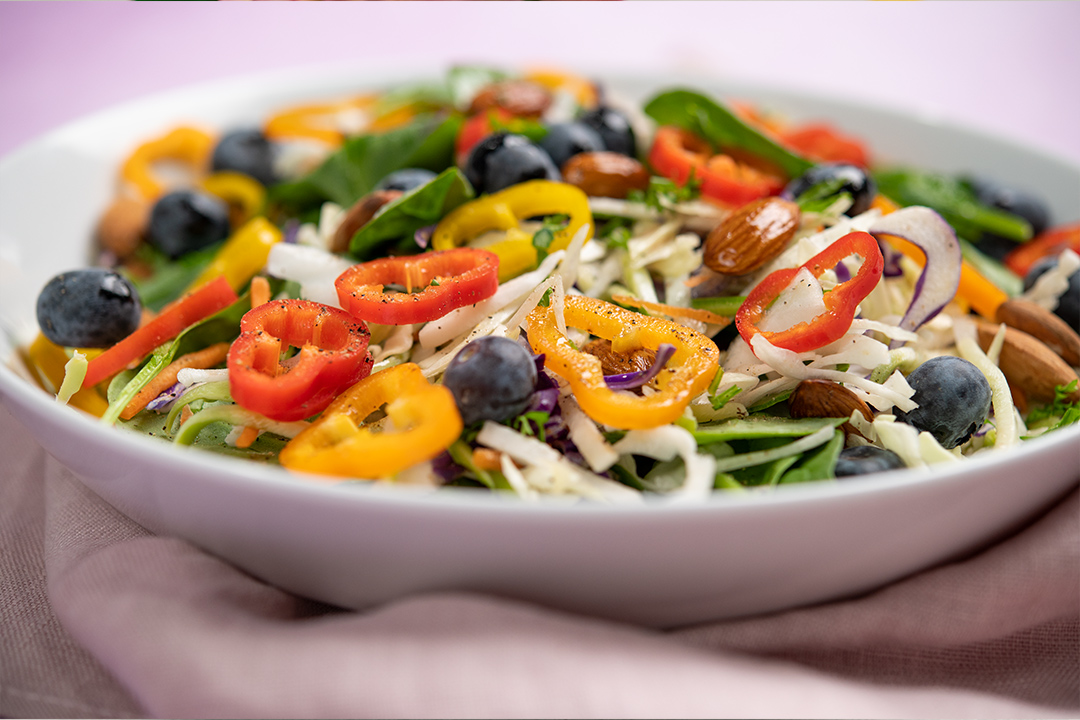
(712, 121)
(817, 464)
(421, 206)
(168, 278)
(352, 171)
(954, 200)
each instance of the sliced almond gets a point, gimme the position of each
(605, 174)
(1031, 367)
(751, 236)
(827, 399)
(1039, 322)
(359, 215)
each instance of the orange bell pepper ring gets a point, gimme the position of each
(693, 365)
(425, 422)
(188, 145)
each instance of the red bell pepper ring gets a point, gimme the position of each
(173, 320)
(824, 143)
(679, 155)
(840, 302)
(333, 356)
(1050, 242)
(447, 279)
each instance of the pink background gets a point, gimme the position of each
(1007, 67)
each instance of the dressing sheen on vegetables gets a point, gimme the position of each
(498, 281)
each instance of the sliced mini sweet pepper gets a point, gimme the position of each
(333, 356)
(243, 255)
(1050, 242)
(435, 283)
(317, 121)
(692, 366)
(505, 210)
(245, 195)
(679, 155)
(188, 145)
(840, 302)
(170, 322)
(425, 421)
(48, 360)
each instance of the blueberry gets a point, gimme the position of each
(856, 181)
(492, 378)
(88, 308)
(614, 128)
(405, 179)
(502, 159)
(565, 140)
(866, 459)
(1068, 308)
(953, 397)
(248, 152)
(187, 220)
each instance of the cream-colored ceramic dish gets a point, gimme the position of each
(357, 546)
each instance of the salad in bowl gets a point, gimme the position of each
(517, 283)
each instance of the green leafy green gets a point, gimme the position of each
(710, 120)
(761, 427)
(954, 200)
(353, 171)
(820, 196)
(543, 237)
(402, 217)
(1058, 414)
(168, 278)
(817, 464)
(663, 193)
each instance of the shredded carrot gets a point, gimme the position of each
(186, 414)
(260, 291)
(673, 310)
(247, 437)
(200, 359)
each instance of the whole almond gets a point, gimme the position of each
(751, 236)
(827, 399)
(1028, 364)
(1039, 322)
(520, 98)
(359, 215)
(605, 174)
(123, 225)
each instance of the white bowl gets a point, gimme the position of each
(360, 545)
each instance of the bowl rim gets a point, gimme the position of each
(274, 479)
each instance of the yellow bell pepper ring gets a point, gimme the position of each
(425, 421)
(505, 210)
(188, 145)
(242, 256)
(690, 370)
(244, 194)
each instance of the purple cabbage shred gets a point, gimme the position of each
(629, 381)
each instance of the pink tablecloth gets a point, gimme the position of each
(99, 618)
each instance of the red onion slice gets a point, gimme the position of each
(937, 284)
